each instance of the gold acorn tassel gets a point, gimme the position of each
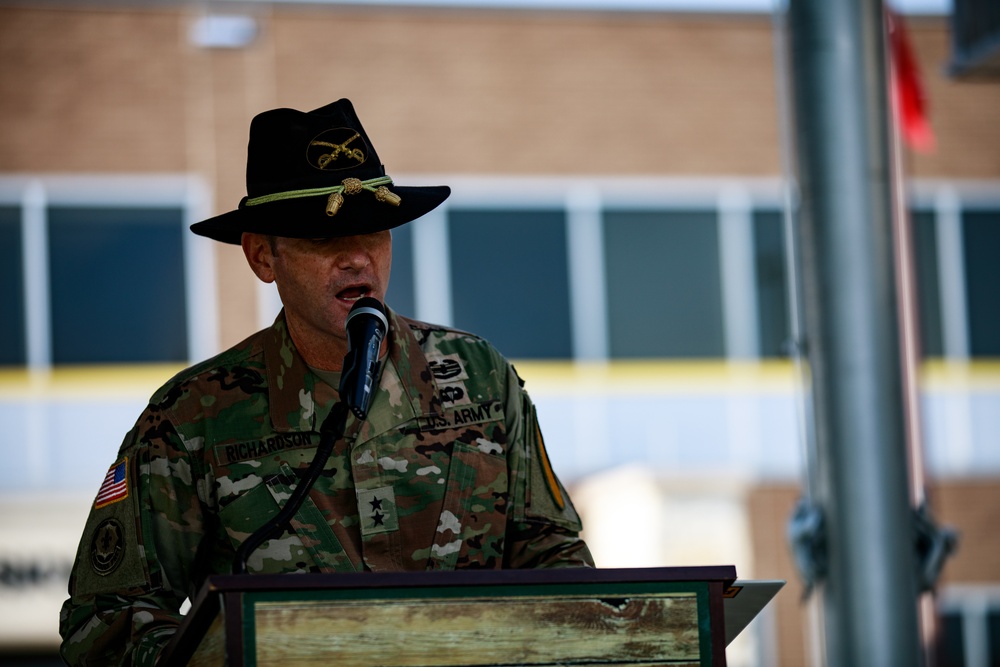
(333, 203)
(383, 194)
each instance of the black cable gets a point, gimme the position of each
(330, 431)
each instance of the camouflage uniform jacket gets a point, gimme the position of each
(448, 471)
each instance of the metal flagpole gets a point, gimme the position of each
(860, 469)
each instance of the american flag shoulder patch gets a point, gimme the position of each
(115, 486)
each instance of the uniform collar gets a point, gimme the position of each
(299, 400)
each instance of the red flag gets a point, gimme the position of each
(907, 89)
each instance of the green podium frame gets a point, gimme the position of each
(641, 617)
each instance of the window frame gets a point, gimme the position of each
(35, 194)
(585, 200)
(734, 200)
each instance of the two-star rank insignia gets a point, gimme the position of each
(377, 508)
(378, 518)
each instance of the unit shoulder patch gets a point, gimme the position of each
(107, 547)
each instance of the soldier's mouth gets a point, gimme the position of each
(353, 293)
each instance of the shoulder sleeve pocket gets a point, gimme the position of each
(110, 556)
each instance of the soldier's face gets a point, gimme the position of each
(320, 280)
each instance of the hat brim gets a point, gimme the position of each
(306, 218)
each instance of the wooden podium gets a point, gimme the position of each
(654, 616)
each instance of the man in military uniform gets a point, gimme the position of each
(448, 470)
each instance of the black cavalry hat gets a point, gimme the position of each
(316, 175)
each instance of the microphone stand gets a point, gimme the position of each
(330, 431)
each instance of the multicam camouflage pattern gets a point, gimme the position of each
(448, 471)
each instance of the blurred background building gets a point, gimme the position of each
(616, 228)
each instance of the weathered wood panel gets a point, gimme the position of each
(655, 629)
(212, 649)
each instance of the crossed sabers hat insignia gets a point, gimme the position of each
(326, 158)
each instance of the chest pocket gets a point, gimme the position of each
(472, 523)
(312, 544)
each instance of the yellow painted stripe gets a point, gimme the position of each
(541, 377)
(657, 376)
(122, 381)
(716, 375)
(983, 374)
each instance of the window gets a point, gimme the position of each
(773, 323)
(956, 239)
(12, 333)
(117, 282)
(981, 235)
(951, 648)
(104, 271)
(969, 627)
(401, 293)
(663, 284)
(510, 280)
(925, 256)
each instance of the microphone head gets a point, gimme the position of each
(366, 326)
(368, 311)
(371, 306)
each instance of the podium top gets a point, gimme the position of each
(726, 574)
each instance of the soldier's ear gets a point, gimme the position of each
(260, 252)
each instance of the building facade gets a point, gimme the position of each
(627, 171)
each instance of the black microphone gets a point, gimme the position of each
(366, 328)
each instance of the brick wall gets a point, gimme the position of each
(459, 91)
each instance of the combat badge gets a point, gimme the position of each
(448, 368)
(107, 548)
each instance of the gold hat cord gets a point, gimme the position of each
(349, 186)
